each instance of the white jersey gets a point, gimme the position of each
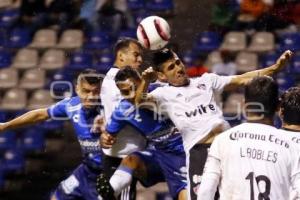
(193, 108)
(252, 161)
(128, 140)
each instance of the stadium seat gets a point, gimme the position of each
(33, 139)
(26, 59)
(246, 61)
(18, 38)
(98, 40)
(207, 41)
(33, 79)
(213, 58)
(71, 39)
(8, 18)
(285, 81)
(61, 84)
(131, 33)
(5, 59)
(5, 3)
(140, 15)
(40, 99)
(44, 38)
(234, 41)
(8, 140)
(188, 58)
(14, 99)
(104, 62)
(3, 38)
(234, 104)
(160, 5)
(262, 42)
(296, 64)
(289, 41)
(2, 178)
(80, 60)
(135, 4)
(14, 160)
(9, 78)
(52, 59)
(269, 59)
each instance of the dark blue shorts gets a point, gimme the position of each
(162, 166)
(80, 184)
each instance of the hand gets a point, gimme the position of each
(149, 74)
(107, 140)
(98, 124)
(284, 58)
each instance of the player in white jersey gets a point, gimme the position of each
(127, 52)
(191, 105)
(253, 160)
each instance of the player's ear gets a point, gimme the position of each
(120, 56)
(162, 77)
(77, 88)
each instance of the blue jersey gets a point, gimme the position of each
(82, 120)
(162, 134)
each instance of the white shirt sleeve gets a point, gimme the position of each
(157, 94)
(218, 82)
(295, 177)
(212, 173)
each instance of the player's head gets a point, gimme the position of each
(88, 87)
(128, 52)
(127, 80)
(290, 106)
(261, 97)
(169, 67)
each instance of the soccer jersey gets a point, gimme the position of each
(193, 108)
(252, 161)
(128, 140)
(162, 134)
(82, 120)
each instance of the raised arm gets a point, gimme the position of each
(142, 95)
(31, 117)
(243, 79)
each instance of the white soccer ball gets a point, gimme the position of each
(153, 32)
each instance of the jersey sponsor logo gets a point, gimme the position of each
(201, 109)
(76, 118)
(70, 184)
(296, 140)
(90, 146)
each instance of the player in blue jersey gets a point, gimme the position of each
(81, 111)
(163, 160)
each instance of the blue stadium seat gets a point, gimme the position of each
(2, 178)
(2, 38)
(14, 160)
(18, 38)
(268, 60)
(139, 16)
(33, 139)
(5, 59)
(296, 64)
(104, 62)
(289, 41)
(160, 5)
(8, 17)
(52, 125)
(135, 4)
(188, 58)
(128, 33)
(207, 41)
(8, 140)
(285, 81)
(61, 83)
(80, 61)
(98, 40)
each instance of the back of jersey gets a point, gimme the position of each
(257, 162)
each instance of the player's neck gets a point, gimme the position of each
(291, 127)
(258, 119)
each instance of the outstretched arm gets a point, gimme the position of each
(31, 117)
(243, 79)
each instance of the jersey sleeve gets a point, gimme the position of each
(157, 94)
(295, 175)
(116, 123)
(59, 110)
(212, 173)
(218, 82)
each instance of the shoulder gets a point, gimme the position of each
(125, 108)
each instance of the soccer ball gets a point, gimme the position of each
(153, 32)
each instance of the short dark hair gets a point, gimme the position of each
(262, 90)
(290, 105)
(159, 57)
(91, 76)
(125, 73)
(124, 43)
